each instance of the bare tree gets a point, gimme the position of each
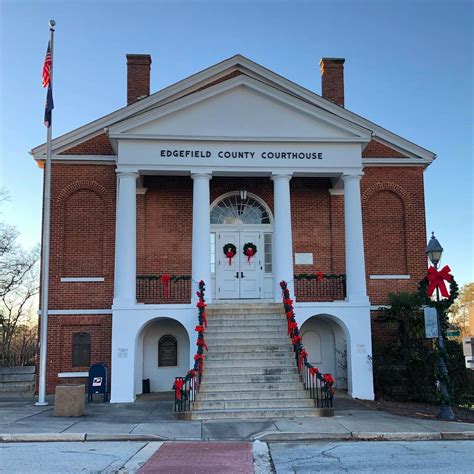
(19, 284)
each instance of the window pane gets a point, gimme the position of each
(234, 210)
(213, 252)
(267, 240)
(81, 349)
(167, 351)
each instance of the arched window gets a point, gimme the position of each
(235, 210)
(167, 351)
(81, 349)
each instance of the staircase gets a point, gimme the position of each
(250, 369)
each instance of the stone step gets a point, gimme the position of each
(252, 395)
(248, 387)
(285, 354)
(254, 351)
(239, 338)
(216, 308)
(238, 329)
(242, 345)
(238, 379)
(24, 377)
(253, 404)
(245, 317)
(248, 364)
(254, 413)
(17, 387)
(210, 370)
(230, 324)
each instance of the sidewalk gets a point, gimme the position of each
(152, 420)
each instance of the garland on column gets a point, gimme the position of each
(180, 382)
(326, 380)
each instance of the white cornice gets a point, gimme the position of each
(395, 162)
(91, 158)
(198, 80)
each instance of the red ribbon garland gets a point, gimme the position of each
(201, 304)
(199, 359)
(200, 328)
(178, 385)
(165, 279)
(230, 255)
(328, 379)
(291, 327)
(201, 342)
(313, 371)
(204, 318)
(303, 354)
(288, 302)
(436, 280)
(250, 253)
(296, 339)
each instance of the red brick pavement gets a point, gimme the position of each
(201, 457)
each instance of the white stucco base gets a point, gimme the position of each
(136, 329)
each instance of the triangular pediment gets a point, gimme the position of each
(240, 108)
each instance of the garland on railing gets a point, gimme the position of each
(194, 375)
(319, 276)
(326, 380)
(172, 278)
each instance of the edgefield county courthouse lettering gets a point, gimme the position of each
(242, 154)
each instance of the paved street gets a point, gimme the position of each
(368, 457)
(224, 457)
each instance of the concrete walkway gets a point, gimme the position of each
(148, 420)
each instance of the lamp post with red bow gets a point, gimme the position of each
(434, 252)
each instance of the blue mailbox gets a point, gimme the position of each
(98, 381)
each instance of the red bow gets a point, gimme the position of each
(289, 314)
(328, 379)
(436, 280)
(178, 385)
(287, 302)
(303, 355)
(296, 339)
(282, 284)
(313, 371)
(249, 252)
(201, 304)
(165, 279)
(319, 276)
(291, 327)
(230, 255)
(199, 328)
(204, 318)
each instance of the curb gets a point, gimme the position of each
(268, 437)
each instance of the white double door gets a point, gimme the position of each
(240, 278)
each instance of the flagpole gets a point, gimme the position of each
(45, 251)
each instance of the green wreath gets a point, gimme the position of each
(250, 250)
(230, 250)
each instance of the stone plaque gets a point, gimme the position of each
(167, 352)
(303, 258)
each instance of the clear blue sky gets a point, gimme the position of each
(409, 68)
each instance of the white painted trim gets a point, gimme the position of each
(75, 312)
(216, 138)
(375, 307)
(212, 73)
(67, 375)
(394, 162)
(389, 277)
(336, 192)
(81, 279)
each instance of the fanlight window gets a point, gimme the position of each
(235, 210)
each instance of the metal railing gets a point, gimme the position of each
(164, 289)
(310, 287)
(186, 388)
(319, 386)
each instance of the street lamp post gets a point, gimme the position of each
(434, 252)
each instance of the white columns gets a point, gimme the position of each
(201, 246)
(282, 236)
(126, 241)
(355, 264)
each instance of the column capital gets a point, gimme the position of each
(207, 176)
(281, 176)
(352, 177)
(127, 174)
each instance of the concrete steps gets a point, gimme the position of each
(250, 370)
(17, 379)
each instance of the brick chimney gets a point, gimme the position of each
(138, 77)
(332, 79)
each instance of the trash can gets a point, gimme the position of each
(146, 386)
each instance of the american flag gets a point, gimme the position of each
(47, 67)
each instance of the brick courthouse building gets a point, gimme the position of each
(233, 154)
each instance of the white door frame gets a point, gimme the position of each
(240, 228)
